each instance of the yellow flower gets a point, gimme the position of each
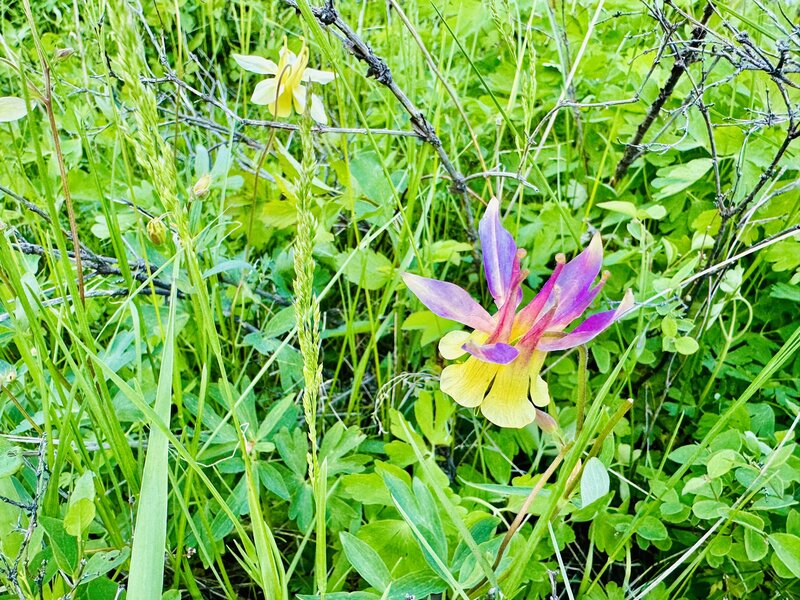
(285, 89)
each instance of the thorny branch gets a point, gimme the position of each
(93, 264)
(10, 567)
(377, 68)
(682, 60)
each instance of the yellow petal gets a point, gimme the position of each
(466, 382)
(507, 403)
(318, 76)
(285, 103)
(540, 393)
(450, 346)
(317, 110)
(299, 94)
(265, 92)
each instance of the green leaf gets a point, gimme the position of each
(10, 458)
(65, 546)
(619, 206)
(787, 548)
(146, 576)
(12, 109)
(676, 178)
(669, 326)
(101, 563)
(432, 326)
(595, 482)
(754, 544)
(652, 529)
(365, 267)
(81, 508)
(366, 561)
(709, 509)
(723, 461)
(372, 182)
(686, 345)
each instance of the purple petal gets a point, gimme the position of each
(449, 302)
(528, 315)
(499, 250)
(501, 354)
(578, 276)
(589, 329)
(566, 314)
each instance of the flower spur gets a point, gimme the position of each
(502, 374)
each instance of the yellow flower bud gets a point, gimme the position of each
(157, 231)
(202, 187)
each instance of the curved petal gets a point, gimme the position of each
(530, 314)
(467, 382)
(449, 302)
(500, 353)
(318, 110)
(451, 346)
(318, 76)
(265, 92)
(566, 314)
(589, 329)
(579, 274)
(540, 392)
(299, 97)
(256, 64)
(499, 251)
(507, 403)
(284, 102)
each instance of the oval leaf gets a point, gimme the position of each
(594, 482)
(12, 109)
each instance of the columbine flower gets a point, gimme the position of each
(278, 93)
(506, 350)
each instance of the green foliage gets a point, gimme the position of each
(245, 402)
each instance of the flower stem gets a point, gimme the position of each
(583, 374)
(522, 515)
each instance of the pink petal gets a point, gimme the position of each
(499, 251)
(501, 354)
(578, 276)
(528, 315)
(566, 314)
(449, 302)
(589, 329)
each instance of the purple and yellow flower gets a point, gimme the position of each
(505, 350)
